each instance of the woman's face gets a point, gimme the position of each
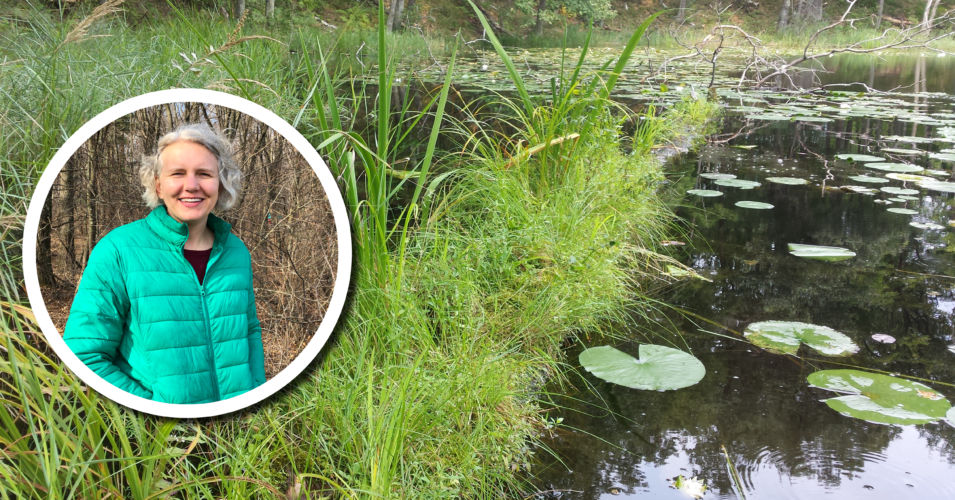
(188, 183)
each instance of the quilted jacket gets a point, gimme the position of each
(142, 321)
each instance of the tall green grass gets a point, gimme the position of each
(474, 262)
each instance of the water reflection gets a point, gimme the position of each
(777, 434)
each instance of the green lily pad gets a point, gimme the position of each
(768, 117)
(813, 119)
(790, 181)
(927, 225)
(903, 151)
(942, 156)
(897, 199)
(737, 183)
(859, 189)
(903, 211)
(936, 172)
(819, 252)
(881, 399)
(758, 205)
(905, 197)
(784, 337)
(941, 186)
(659, 368)
(909, 139)
(706, 193)
(869, 179)
(859, 157)
(908, 177)
(716, 176)
(898, 190)
(895, 167)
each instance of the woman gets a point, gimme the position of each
(165, 308)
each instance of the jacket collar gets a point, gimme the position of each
(176, 232)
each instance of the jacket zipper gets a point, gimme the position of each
(206, 323)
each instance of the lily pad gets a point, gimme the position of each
(950, 416)
(706, 193)
(908, 177)
(859, 189)
(898, 190)
(941, 186)
(737, 183)
(819, 252)
(927, 225)
(902, 151)
(869, 179)
(768, 117)
(895, 167)
(659, 368)
(784, 337)
(859, 157)
(716, 175)
(758, 205)
(790, 181)
(942, 156)
(903, 211)
(881, 399)
(883, 338)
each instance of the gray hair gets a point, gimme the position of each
(230, 177)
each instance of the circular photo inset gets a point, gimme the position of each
(187, 253)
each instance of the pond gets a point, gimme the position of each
(754, 427)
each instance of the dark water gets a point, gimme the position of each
(754, 409)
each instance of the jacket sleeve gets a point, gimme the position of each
(95, 327)
(256, 351)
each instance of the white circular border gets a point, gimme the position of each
(337, 302)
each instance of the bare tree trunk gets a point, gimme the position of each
(878, 17)
(539, 24)
(784, 14)
(90, 205)
(270, 9)
(681, 13)
(44, 253)
(394, 15)
(931, 17)
(68, 236)
(238, 8)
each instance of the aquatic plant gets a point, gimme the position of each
(658, 368)
(785, 337)
(820, 252)
(881, 399)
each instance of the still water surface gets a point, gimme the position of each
(754, 411)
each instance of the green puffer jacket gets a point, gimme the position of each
(141, 320)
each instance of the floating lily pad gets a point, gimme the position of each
(784, 337)
(716, 175)
(758, 205)
(819, 252)
(869, 179)
(813, 119)
(859, 189)
(942, 156)
(898, 190)
(859, 157)
(941, 186)
(659, 368)
(908, 139)
(894, 167)
(883, 338)
(791, 181)
(935, 172)
(706, 193)
(908, 177)
(906, 197)
(927, 225)
(903, 211)
(737, 183)
(902, 151)
(881, 399)
(768, 117)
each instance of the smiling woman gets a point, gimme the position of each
(197, 255)
(165, 309)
